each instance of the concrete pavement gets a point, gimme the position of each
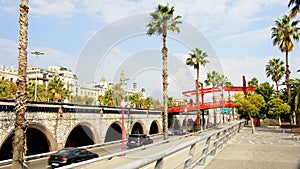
(269, 148)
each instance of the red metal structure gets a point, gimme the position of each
(211, 105)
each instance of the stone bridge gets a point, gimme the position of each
(53, 126)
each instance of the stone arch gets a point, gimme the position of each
(138, 127)
(114, 132)
(81, 134)
(48, 134)
(155, 127)
(36, 132)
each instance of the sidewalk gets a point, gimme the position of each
(269, 148)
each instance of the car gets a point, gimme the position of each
(137, 140)
(172, 132)
(70, 155)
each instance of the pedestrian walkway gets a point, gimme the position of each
(268, 148)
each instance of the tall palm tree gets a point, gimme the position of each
(283, 34)
(276, 70)
(19, 138)
(197, 58)
(222, 80)
(295, 9)
(162, 21)
(212, 79)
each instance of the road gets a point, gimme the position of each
(101, 151)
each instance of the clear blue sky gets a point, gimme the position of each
(236, 36)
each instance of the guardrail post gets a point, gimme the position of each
(223, 138)
(205, 151)
(191, 154)
(159, 164)
(239, 127)
(216, 143)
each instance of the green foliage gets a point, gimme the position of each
(8, 89)
(277, 107)
(275, 69)
(56, 89)
(266, 90)
(253, 82)
(163, 17)
(249, 107)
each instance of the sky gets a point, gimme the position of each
(100, 38)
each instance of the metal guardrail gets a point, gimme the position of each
(213, 141)
(42, 155)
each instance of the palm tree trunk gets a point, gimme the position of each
(19, 138)
(198, 106)
(165, 82)
(277, 89)
(288, 85)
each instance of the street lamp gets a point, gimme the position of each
(186, 128)
(36, 53)
(123, 126)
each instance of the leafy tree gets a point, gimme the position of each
(21, 124)
(8, 89)
(42, 94)
(162, 21)
(147, 103)
(275, 70)
(266, 90)
(253, 82)
(249, 107)
(277, 107)
(295, 9)
(197, 58)
(283, 34)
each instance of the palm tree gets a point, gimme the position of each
(197, 58)
(118, 94)
(212, 79)
(222, 80)
(55, 88)
(295, 9)
(283, 34)
(295, 95)
(162, 21)
(276, 70)
(19, 138)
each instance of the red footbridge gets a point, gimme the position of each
(211, 105)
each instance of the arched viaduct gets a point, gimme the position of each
(53, 126)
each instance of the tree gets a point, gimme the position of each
(107, 100)
(118, 94)
(8, 89)
(197, 58)
(295, 9)
(42, 94)
(55, 88)
(136, 100)
(275, 70)
(295, 101)
(162, 21)
(283, 34)
(222, 80)
(249, 107)
(212, 79)
(21, 124)
(268, 92)
(253, 82)
(276, 107)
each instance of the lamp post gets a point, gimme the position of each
(123, 126)
(186, 128)
(36, 53)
